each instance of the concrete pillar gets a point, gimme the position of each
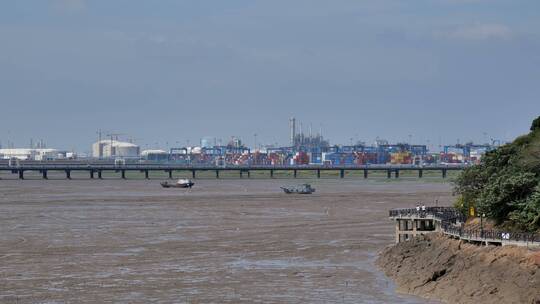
(68, 174)
(318, 173)
(389, 173)
(217, 173)
(170, 174)
(342, 173)
(397, 231)
(365, 173)
(91, 174)
(193, 175)
(420, 173)
(414, 222)
(443, 173)
(21, 174)
(295, 173)
(146, 174)
(100, 174)
(397, 173)
(123, 174)
(44, 174)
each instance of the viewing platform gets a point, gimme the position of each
(411, 222)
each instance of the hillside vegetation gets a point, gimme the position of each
(506, 184)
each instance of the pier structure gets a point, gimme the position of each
(411, 222)
(415, 224)
(392, 171)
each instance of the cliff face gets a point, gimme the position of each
(452, 271)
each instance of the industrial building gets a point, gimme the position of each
(114, 148)
(155, 155)
(313, 149)
(31, 154)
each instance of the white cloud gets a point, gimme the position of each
(69, 6)
(482, 32)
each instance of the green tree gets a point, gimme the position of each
(505, 185)
(535, 124)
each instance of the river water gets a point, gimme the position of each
(224, 241)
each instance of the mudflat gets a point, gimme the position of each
(224, 241)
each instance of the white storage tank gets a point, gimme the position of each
(114, 148)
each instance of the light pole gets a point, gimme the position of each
(482, 215)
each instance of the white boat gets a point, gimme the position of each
(181, 183)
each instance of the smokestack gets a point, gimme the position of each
(292, 123)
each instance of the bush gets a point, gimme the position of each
(505, 185)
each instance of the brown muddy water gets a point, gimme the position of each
(224, 241)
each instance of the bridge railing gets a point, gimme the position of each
(79, 164)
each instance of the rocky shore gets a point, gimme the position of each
(452, 271)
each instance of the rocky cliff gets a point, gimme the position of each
(440, 268)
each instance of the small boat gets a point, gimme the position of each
(300, 189)
(181, 183)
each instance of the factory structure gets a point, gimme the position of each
(34, 154)
(37, 152)
(114, 148)
(305, 147)
(311, 148)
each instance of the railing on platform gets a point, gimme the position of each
(449, 217)
(447, 214)
(490, 234)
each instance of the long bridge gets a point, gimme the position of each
(97, 168)
(411, 222)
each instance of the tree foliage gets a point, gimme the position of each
(535, 124)
(506, 184)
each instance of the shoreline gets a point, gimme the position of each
(436, 267)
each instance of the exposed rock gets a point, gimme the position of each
(440, 268)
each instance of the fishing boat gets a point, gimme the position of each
(181, 183)
(300, 189)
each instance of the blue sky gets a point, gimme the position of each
(172, 71)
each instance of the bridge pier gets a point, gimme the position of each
(44, 174)
(443, 173)
(123, 174)
(397, 173)
(21, 174)
(217, 173)
(365, 173)
(68, 174)
(318, 173)
(341, 173)
(420, 173)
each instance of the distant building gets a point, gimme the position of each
(114, 148)
(30, 154)
(207, 142)
(155, 155)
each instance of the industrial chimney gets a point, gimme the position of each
(292, 123)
